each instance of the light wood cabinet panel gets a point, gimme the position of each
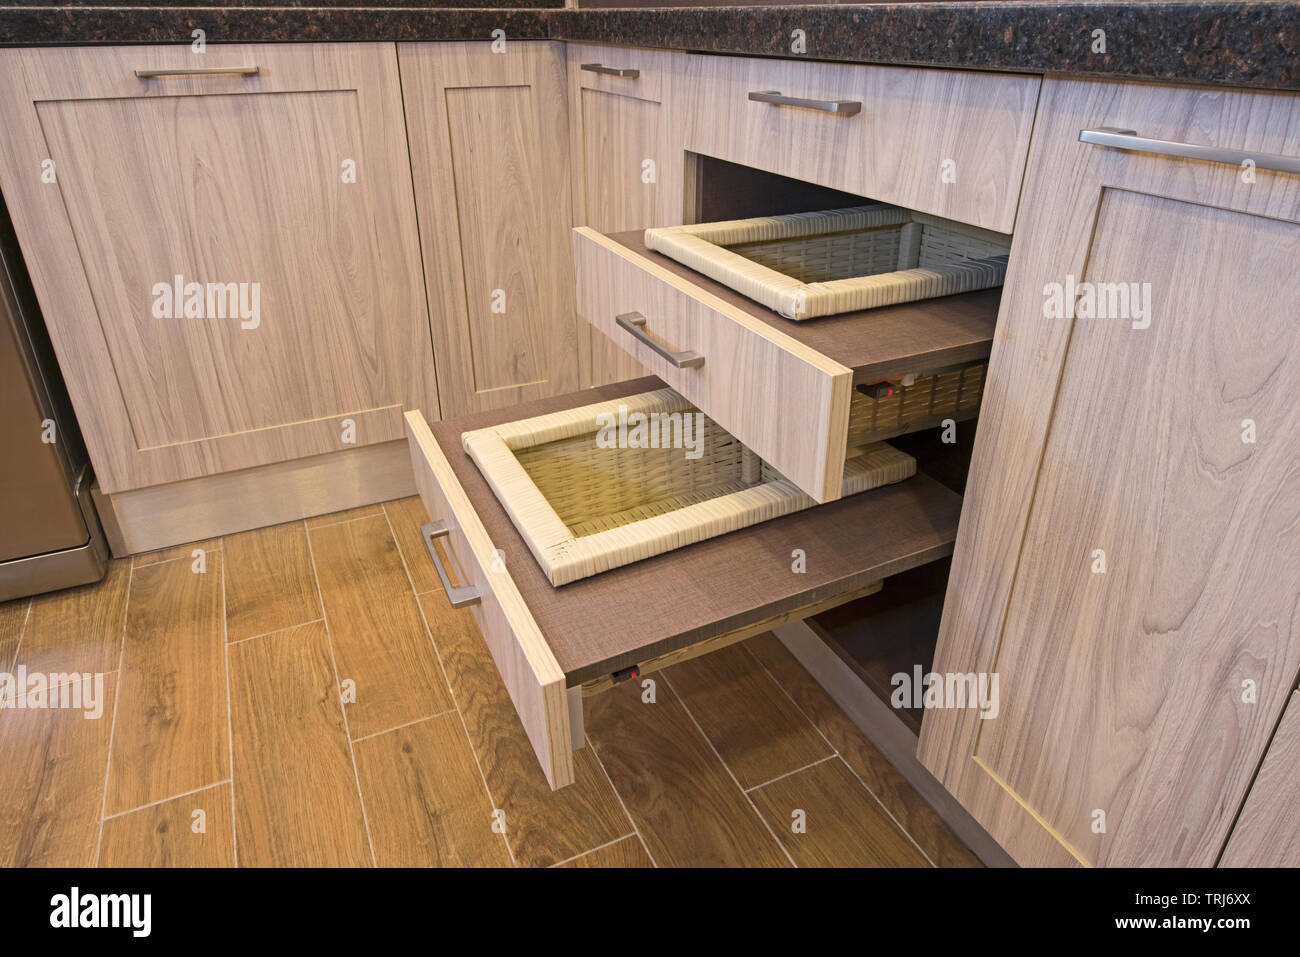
(627, 170)
(284, 195)
(1163, 444)
(945, 142)
(1268, 831)
(489, 157)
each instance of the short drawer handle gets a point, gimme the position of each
(201, 71)
(611, 71)
(634, 324)
(1129, 140)
(459, 597)
(839, 107)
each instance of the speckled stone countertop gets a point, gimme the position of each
(1249, 44)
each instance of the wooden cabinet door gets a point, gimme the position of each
(1136, 697)
(283, 195)
(627, 172)
(489, 156)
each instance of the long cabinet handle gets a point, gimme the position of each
(611, 71)
(458, 597)
(201, 71)
(634, 324)
(840, 107)
(1129, 140)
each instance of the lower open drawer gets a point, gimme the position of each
(549, 642)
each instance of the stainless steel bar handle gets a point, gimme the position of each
(1129, 140)
(201, 71)
(840, 107)
(459, 597)
(611, 71)
(634, 324)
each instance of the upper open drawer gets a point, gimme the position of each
(945, 142)
(785, 389)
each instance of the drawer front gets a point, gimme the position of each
(529, 669)
(596, 66)
(786, 402)
(945, 142)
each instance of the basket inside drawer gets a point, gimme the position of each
(805, 265)
(604, 485)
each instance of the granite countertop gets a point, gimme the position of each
(1251, 44)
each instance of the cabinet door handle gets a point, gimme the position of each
(458, 597)
(634, 324)
(1129, 140)
(611, 71)
(201, 71)
(839, 107)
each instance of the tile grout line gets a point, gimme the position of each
(815, 727)
(344, 521)
(428, 631)
(726, 767)
(22, 633)
(599, 847)
(631, 820)
(347, 730)
(170, 797)
(781, 777)
(275, 631)
(399, 727)
(117, 699)
(230, 717)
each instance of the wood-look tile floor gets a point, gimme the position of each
(304, 695)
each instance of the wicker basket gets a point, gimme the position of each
(807, 265)
(584, 507)
(951, 394)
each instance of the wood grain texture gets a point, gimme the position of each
(13, 618)
(843, 825)
(627, 853)
(231, 502)
(406, 516)
(342, 331)
(489, 156)
(270, 583)
(1267, 832)
(746, 716)
(912, 122)
(379, 639)
(592, 628)
(163, 835)
(170, 735)
(77, 630)
(52, 763)
(522, 656)
(344, 515)
(685, 804)
(786, 402)
(542, 826)
(1185, 510)
(425, 799)
(183, 550)
(935, 837)
(296, 800)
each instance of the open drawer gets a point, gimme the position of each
(549, 643)
(783, 388)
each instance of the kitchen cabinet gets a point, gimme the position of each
(1126, 561)
(489, 157)
(224, 248)
(627, 169)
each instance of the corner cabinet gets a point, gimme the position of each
(489, 157)
(224, 248)
(1127, 560)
